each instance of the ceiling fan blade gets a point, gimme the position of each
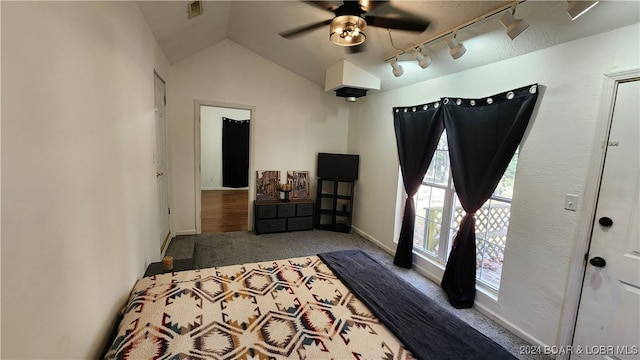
(370, 5)
(398, 24)
(290, 34)
(357, 49)
(325, 5)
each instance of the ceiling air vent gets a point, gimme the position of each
(194, 8)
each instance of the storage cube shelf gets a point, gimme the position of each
(277, 216)
(334, 205)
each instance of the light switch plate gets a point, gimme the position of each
(571, 202)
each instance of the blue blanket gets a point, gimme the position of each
(422, 325)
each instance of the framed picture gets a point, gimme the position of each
(299, 181)
(267, 185)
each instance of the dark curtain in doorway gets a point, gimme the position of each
(235, 153)
(483, 135)
(418, 130)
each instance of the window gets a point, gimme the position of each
(438, 208)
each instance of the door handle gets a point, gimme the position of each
(158, 174)
(605, 221)
(597, 261)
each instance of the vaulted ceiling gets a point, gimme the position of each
(256, 24)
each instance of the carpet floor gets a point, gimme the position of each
(211, 250)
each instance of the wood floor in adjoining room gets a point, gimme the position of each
(224, 211)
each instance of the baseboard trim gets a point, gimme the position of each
(373, 240)
(221, 188)
(186, 232)
(437, 279)
(424, 271)
(509, 325)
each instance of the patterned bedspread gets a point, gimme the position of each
(292, 308)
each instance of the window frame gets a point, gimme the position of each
(445, 238)
(450, 201)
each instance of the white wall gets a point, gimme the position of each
(554, 160)
(294, 118)
(79, 206)
(211, 143)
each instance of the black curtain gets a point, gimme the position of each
(235, 153)
(418, 130)
(483, 135)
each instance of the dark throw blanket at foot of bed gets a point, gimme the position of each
(426, 329)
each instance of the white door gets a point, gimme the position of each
(608, 323)
(161, 162)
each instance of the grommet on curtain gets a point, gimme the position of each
(405, 110)
(459, 102)
(510, 95)
(533, 89)
(425, 107)
(489, 101)
(414, 109)
(436, 105)
(446, 101)
(472, 102)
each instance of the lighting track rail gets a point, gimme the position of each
(454, 30)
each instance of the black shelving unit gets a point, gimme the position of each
(278, 216)
(334, 205)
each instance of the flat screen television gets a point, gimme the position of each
(338, 166)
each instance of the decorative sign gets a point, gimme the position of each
(267, 185)
(299, 181)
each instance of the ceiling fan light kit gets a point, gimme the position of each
(349, 25)
(348, 30)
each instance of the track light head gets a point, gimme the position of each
(423, 60)
(577, 8)
(397, 68)
(456, 49)
(514, 26)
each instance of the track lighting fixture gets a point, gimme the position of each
(456, 49)
(514, 26)
(577, 8)
(397, 68)
(423, 60)
(507, 12)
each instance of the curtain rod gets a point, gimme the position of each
(455, 29)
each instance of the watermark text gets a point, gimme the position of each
(611, 350)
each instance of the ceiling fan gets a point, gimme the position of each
(349, 26)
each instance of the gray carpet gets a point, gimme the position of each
(246, 247)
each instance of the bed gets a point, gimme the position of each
(338, 305)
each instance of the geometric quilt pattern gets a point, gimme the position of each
(284, 309)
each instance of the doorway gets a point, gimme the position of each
(160, 160)
(223, 162)
(608, 320)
